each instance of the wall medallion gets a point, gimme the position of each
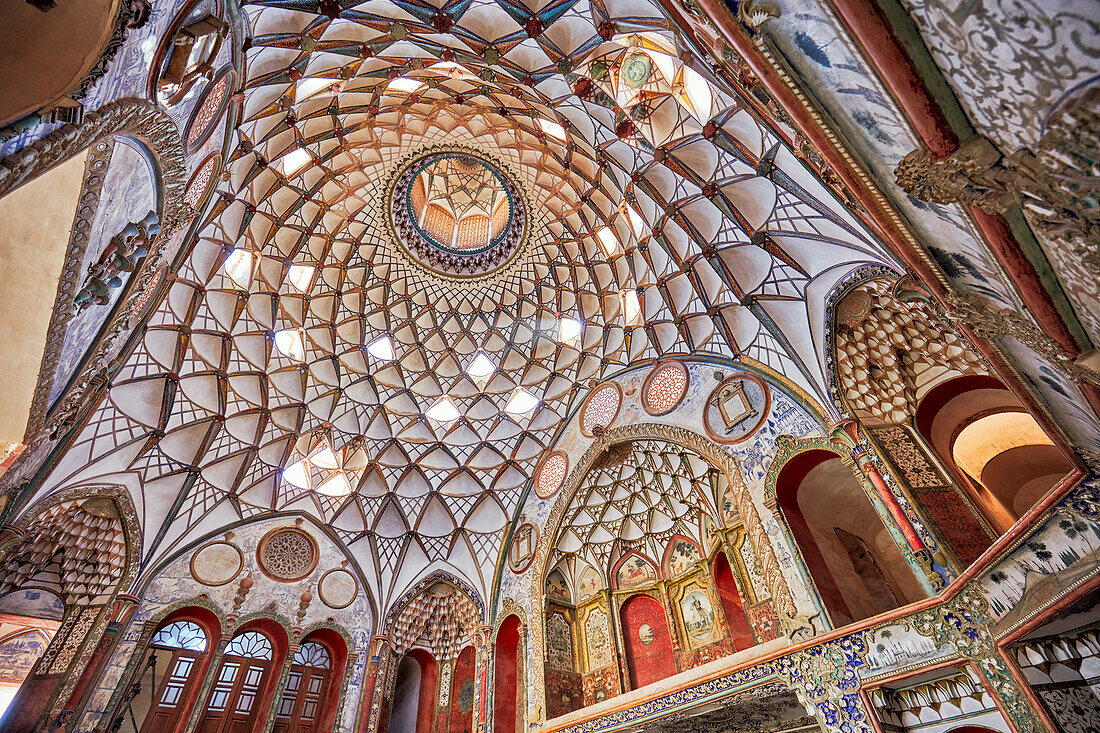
(208, 112)
(736, 408)
(665, 387)
(338, 588)
(217, 563)
(600, 408)
(203, 181)
(551, 473)
(287, 554)
(522, 550)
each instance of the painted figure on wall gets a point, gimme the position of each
(634, 572)
(698, 615)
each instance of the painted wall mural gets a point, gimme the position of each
(635, 571)
(597, 640)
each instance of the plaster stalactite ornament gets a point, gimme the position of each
(660, 217)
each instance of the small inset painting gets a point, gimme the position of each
(590, 584)
(556, 587)
(645, 633)
(634, 572)
(682, 557)
(698, 614)
(522, 550)
(736, 408)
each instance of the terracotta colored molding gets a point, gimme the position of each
(881, 48)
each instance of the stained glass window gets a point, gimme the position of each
(250, 644)
(181, 635)
(312, 654)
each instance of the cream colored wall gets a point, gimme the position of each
(44, 55)
(35, 221)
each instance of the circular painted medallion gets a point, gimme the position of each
(287, 554)
(208, 111)
(645, 633)
(202, 181)
(664, 388)
(551, 473)
(736, 408)
(338, 588)
(456, 213)
(216, 563)
(601, 408)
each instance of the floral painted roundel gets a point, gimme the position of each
(202, 181)
(601, 408)
(664, 388)
(551, 474)
(209, 109)
(287, 554)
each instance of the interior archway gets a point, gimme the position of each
(508, 677)
(992, 445)
(245, 682)
(740, 631)
(415, 689)
(852, 559)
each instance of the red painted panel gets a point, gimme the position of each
(462, 693)
(740, 632)
(507, 668)
(649, 661)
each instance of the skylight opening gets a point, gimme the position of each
(521, 402)
(569, 330)
(551, 128)
(481, 367)
(288, 342)
(238, 267)
(297, 474)
(443, 410)
(313, 85)
(381, 348)
(632, 308)
(609, 243)
(326, 459)
(293, 162)
(336, 484)
(300, 277)
(404, 85)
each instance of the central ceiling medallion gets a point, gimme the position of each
(456, 213)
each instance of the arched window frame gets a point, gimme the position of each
(263, 690)
(292, 707)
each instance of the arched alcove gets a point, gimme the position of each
(981, 432)
(733, 609)
(462, 692)
(311, 693)
(851, 557)
(415, 691)
(30, 617)
(508, 677)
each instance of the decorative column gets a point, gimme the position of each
(846, 438)
(284, 673)
(826, 682)
(482, 645)
(123, 606)
(374, 682)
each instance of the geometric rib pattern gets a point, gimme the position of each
(663, 216)
(637, 498)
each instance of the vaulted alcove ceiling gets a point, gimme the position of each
(659, 218)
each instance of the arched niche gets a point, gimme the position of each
(733, 607)
(31, 617)
(414, 694)
(852, 559)
(992, 445)
(463, 680)
(508, 677)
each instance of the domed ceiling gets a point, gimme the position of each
(440, 225)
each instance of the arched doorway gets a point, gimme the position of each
(31, 617)
(647, 642)
(173, 670)
(312, 690)
(996, 450)
(242, 684)
(740, 631)
(851, 557)
(508, 678)
(414, 693)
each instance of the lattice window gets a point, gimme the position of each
(251, 644)
(312, 654)
(181, 635)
